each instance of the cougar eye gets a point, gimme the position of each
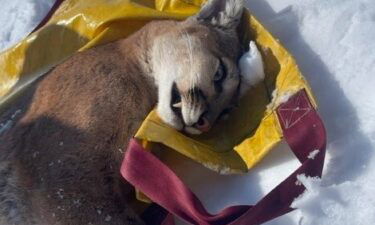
(219, 78)
(220, 74)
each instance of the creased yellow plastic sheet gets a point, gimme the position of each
(232, 146)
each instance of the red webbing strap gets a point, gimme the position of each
(159, 183)
(303, 131)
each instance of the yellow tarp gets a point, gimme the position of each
(233, 146)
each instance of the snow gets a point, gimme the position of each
(278, 99)
(9, 123)
(251, 67)
(107, 218)
(333, 43)
(19, 17)
(5, 126)
(313, 154)
(333, 204)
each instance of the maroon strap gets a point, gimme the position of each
(304, 132)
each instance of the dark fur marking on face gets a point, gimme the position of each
(197, 94)
(219, 77)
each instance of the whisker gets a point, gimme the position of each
(192, 78)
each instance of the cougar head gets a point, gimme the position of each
(196, 68)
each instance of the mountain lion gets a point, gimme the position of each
(59, 163)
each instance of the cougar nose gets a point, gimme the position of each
(202, 124)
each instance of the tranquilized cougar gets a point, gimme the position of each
(60, 163)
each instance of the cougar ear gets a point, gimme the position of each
(225, 14)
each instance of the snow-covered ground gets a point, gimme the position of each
(333, 42)
(19, 17)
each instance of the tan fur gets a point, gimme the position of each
(67, 146)
(193, 65)
(60, 163)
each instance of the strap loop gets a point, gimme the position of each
(304, 132)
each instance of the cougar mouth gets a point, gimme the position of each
(203, 124)
(176, 103)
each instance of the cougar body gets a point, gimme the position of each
(60, 162)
